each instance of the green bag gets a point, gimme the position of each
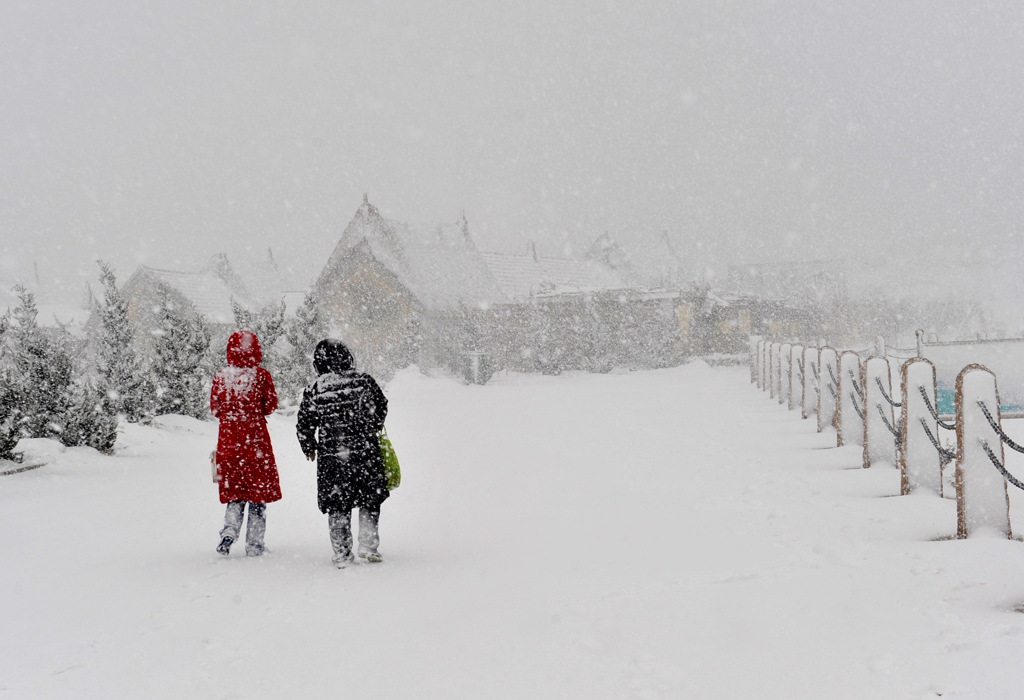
(392, 472)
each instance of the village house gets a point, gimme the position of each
(401, 294)
(210, 293)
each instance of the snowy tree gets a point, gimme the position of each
(303, 332)
(39, 393)
(41, 371)
(121, 370)
(179, 369)
(89, 412)
(268, 325)
(9, 412)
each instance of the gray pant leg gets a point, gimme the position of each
(369, 538)
(256, 528)
(233, 520)
(340, 524)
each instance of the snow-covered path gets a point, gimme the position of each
(659, 534)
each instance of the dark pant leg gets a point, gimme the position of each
(233, 520)
(255, 529)
(369, 538)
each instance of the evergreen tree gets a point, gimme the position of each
(9, 413)
(89, 414)
(41, 370)
(179, 370)
(307, 328)
(122, 375)
(268, 325)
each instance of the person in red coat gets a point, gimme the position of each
(242, 396)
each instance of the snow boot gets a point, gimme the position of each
(342, 561)
(372, 556)
(225, 546)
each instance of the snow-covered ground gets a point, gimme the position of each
(665, 534)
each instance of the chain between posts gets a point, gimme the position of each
(894, 404)
(888, 426)
(995, 463)
(931, 410)
(856, 385)
(858, 409)
(999, 431)
(945, 456)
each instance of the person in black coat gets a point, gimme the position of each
(339, 418)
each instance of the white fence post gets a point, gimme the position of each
(850, 401)
(796, 377)
(920, 460)
(757, 362)
(773, 370)
(765, 349)
(828, 389)
(809, 398)
(752, 345)
(879, 421)
(785, 350)
(982, 501)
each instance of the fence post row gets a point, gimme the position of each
(785, 352)
(982, 499)
(808, 392)
(880, 431)
(850, 401)
(796, 377)
(828, 392)
(857, 399)
(921, 454)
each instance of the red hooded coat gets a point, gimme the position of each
(242, 395)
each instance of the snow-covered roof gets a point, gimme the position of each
(653, 261)
(254, 284)
(440, 266)
(527, 275)
(209, 294)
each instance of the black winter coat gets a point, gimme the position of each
(339, 418)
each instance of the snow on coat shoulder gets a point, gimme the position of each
(242, 396)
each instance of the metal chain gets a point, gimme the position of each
(858, 409)
(894, 404)
(999, 431)
(895, 433)
(856, 385)
(995, 463)
(931, 410)
(945, 456)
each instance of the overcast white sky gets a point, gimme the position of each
(162, 132)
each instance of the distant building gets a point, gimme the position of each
(402, 294)
(801, 282)
(209, 292)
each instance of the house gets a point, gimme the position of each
(400, 294)
(210, 293)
